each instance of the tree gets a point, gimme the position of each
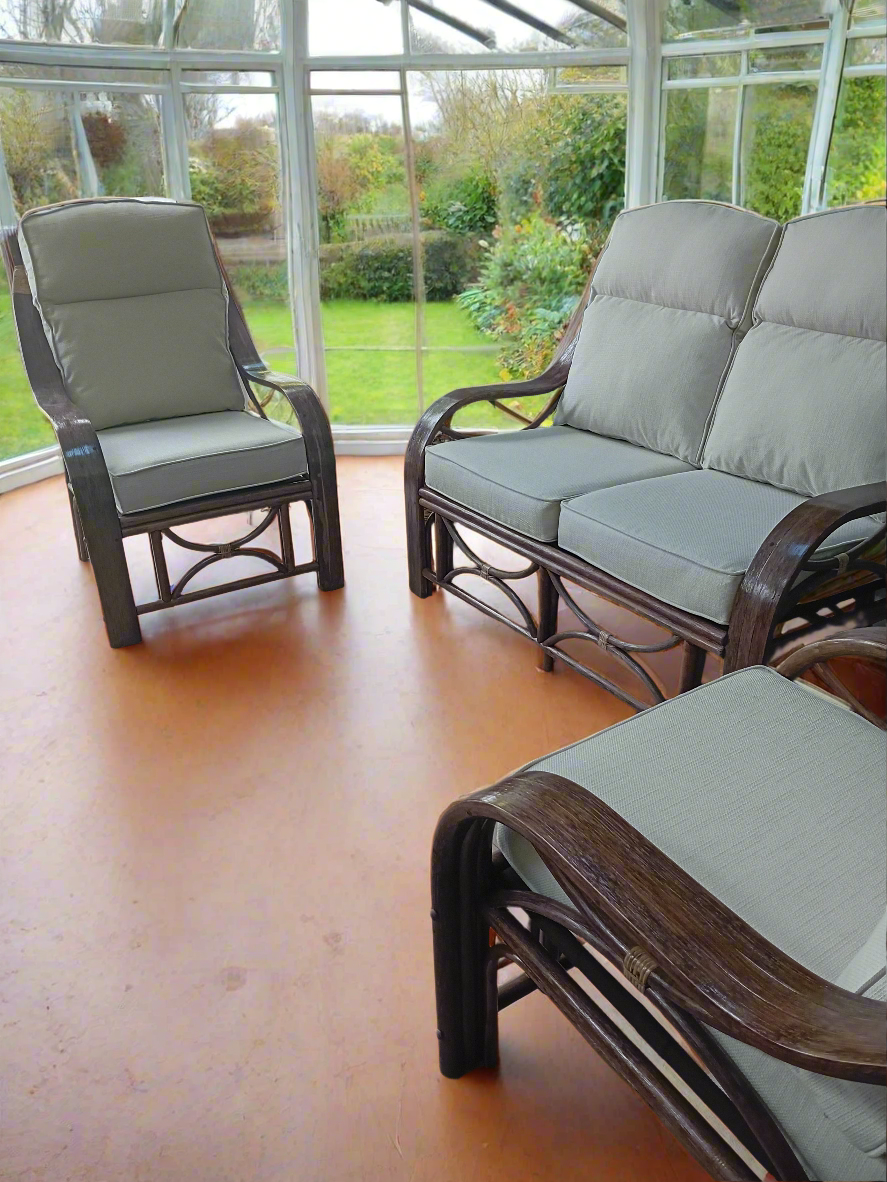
(35, 134)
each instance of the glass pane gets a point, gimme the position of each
(347, 27)
(227, 78)
(126, 22)
(868, 10)
(858, 160)
(81, 75)
(704, 65)
(798, 57)
(234, 167)
(866, 51)
(472, 26)
(59, 145)
(694, 18)
(227, 24)
(700, 127)
(597, 77)
(366, 259)
(518, 186)
(355, 80)
(776, 127)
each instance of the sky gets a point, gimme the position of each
(367, 27)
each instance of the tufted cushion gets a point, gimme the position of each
(672, 289)
(804, 403)
(134, 306)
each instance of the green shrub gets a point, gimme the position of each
(234, 175)
(781, 120)
(570, 161)
(467, 205)
(858, 158)
(528, 287)
(382, 268)
(261, 281)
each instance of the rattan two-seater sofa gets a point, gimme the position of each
(717, 453)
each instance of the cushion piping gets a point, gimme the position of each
(552, 500)
(196, 496)
(634, 538)
(225, 451)
(144, 295)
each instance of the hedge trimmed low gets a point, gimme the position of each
(374, 269)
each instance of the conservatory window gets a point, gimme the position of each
(454, 246)
(200, 24)
(857, 163)
(478, 26)
(687, 19)
(359, 28)
(58, 142)
(83, 22)
(737, 127)
(234, 172)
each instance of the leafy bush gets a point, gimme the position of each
(28, 123)
(467, 205)
(382, 268)
(858, 158)
(233, 174)
(106, 138)
(781, 119)
(570, 162)
(261, 281)
(528, 287)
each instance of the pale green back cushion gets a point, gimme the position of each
(672, 288)
(134, 306)
(804, 403)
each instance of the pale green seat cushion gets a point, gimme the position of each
(773, 799)
(672, 287)
(171, 460)
(804, 404)
(686, 539)
(519, 478)
(857, 1110)
(134, 307)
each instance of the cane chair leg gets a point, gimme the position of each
(548, 605)
(323, 512)
(464, 969)
(79, 536)
(419, 552)
(443, 548)
(692, 666)
(108, 560)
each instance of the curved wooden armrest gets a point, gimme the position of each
(439, 415)
(313, 421)
(708, 960)
(868, 644)
(777, 564)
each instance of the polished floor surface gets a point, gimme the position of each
(215, 962)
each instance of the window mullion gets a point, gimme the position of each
(826, 107)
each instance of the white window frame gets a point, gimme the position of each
(645, 56)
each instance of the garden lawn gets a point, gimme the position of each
(376, 386)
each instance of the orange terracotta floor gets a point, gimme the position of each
(215, 962)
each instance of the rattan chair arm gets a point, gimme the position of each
(772, 573)
(701, 954)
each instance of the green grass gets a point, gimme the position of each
(22, 426)
(367, 386)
